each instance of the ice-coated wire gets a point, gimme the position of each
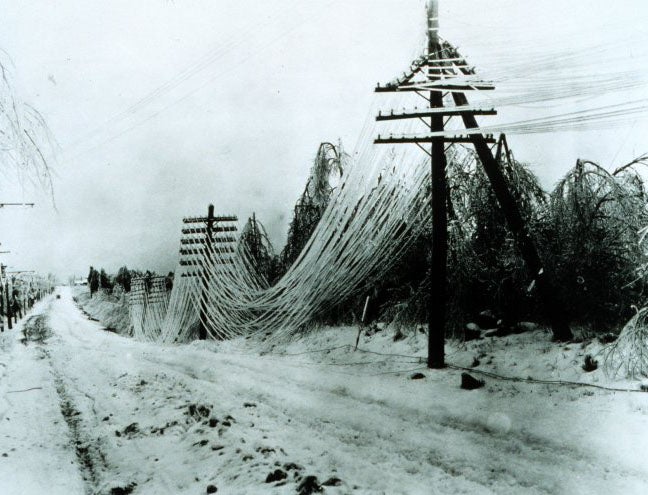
(382, 201)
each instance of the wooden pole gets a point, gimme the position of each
(205, 273)
(553, 307)
(442, 55)
(9, 309)
(2, 311)
(438, 266)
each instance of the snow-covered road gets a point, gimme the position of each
(112, 415)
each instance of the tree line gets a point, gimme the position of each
(100, 279)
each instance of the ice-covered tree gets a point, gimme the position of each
(26, 144)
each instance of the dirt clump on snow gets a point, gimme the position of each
(310, 484)
(469, 382)
(123, 490)
(35, 330)
(276, 475)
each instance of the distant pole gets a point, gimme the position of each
(2, 311)
(8, 296)
(205, 273)
(257, 240)
(9, 312)
(438, 266)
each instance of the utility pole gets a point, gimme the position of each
(209, 225)
(440, 72)
(10, 298)
(554, 309)
(201, 258)
(9, 309)
(439, 262)
(3, 297)
(6, 296)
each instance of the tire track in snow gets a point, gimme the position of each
(141, 398)
(40, 460)
(90, 458)
(445, 443)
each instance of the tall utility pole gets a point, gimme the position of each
(201, 257)
(439, 262)
(209, 226)
(440, 72)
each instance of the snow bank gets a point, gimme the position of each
(111, 311)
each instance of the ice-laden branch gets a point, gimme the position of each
(627, 357)
(26, 144)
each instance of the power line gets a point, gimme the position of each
(258, 46)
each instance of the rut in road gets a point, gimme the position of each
(90, 458)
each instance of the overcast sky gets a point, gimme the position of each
(161, 107)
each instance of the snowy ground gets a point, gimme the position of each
(83, 410)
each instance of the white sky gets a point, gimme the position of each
(256, 86)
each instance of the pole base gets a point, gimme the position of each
(436, 364)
